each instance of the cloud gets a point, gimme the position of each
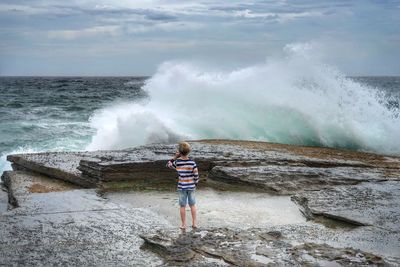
(118, 30)
(222, 30)
(22, 9)
(278, 17)
(87, 32)
(169, 10)
(166, 27)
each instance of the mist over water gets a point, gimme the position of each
(293, 100)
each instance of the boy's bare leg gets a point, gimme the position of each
(182, 211)
(194, 216)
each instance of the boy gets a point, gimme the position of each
(188, 179)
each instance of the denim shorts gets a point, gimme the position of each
(186, 196)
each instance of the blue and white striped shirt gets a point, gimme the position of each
(187, 171)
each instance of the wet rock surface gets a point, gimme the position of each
(74, 228)
(217, 208)
(253, 247)
(22, 185)
(244, 210)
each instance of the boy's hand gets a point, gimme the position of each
(170, 164)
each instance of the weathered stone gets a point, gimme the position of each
(226, 245)
(288, 179)
(376, 204)
(22, 184)
(272, 167)
(311, 254)
(371, 239)
(167, 247)
(249, 248)
(271, 235)
(52, 227)
(35, 193)
(74, 228)
(3, 198)
(59, 165)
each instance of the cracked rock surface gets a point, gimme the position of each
(253, 247)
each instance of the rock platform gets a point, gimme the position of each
(60, 225)
(364, 204)
(282, 169)
(58, 211)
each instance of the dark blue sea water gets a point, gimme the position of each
(52, 113)
(73, 113)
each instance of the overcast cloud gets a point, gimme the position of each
(103, 37)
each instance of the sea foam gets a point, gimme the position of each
(293, 100)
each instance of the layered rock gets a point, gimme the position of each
(59, 165)
(376, 204)
(282, 169)
(56, 221)
(287, 179)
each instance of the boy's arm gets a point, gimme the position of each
(172, 162)
(196, 173)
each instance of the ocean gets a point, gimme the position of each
(182, 102)
(53, 113)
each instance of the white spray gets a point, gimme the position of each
(295, 100)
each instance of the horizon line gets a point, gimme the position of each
(146, 76)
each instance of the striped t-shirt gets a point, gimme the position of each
(187, 171)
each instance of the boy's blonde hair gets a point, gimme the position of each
(184, 148)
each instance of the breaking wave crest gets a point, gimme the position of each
(294, 100)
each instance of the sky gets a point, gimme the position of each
(132, 38)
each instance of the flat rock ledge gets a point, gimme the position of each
(253, 247)
(365, 204)
(75, 228)
(21, 184)
(56, 219)
(281, 169)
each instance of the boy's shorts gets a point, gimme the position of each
(186, 196)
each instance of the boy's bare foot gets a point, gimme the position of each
(182, 227)
(194, 226)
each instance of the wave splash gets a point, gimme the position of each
(294, 100)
